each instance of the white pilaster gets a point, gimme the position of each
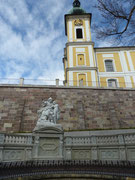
(70, 31)
(70, 56)
(71, 78)
(91, 56)
(123, 61)
(128, 82)
(87, 30)
(130, 61)
(93, 78)
(134, 79)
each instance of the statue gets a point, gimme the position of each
(48, 114)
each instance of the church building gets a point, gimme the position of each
(86, 65)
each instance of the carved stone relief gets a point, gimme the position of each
(49, 147)
(13, 155)
(131, 154)
(81, 154)
(110, 154)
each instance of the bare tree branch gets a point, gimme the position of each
(119, 18)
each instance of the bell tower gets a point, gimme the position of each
(79, 59)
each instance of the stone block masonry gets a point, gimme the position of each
(81, 108)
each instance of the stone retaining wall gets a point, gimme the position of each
(81, 108)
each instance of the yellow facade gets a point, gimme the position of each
(133, 58)
(95, 67)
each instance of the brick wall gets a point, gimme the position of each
(81, 108)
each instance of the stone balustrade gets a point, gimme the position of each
(54, 144)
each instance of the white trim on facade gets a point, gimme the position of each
(134, 79)
(130, 61)
(93, 79)
(70, 56)
(71, 78)
(116, 73)
(123, 61)
(128, 81)
(80, 50)
(70, 31)
(87, 30)
(107, 56)
(91, 58)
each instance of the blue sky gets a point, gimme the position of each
(32, 37)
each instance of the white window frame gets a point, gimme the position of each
(113, 63)
(116, 80)
(79, 27)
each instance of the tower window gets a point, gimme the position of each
(79, 34)
(82, 79)
(80, 59)
(109, 66)
(112, 83)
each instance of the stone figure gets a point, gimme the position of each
(48, 114)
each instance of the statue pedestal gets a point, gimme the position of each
(48, 143)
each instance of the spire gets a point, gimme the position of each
(76, 3)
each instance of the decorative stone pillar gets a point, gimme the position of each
(123, 153)
(68, 155)
(28, 154)
(35, 147)
(48, 143)
(94, 151)
(121, 139)
(2, 137)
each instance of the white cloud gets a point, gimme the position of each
(32, 38)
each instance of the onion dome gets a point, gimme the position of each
(77, 8)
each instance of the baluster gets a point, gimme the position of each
(6, 139)
(17, 140)
(10, 139)
(13, 140)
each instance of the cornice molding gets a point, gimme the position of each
(81, 68)
(79, 43)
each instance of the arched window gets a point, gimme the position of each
(80, 59)
(109, 65)
(79, 34)
(82, 79)
(112, 83)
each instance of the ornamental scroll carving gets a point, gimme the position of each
(48, 114)
(78, 22)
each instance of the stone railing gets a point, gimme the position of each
(54, 144)
(11, 139)
(101, 140)
(15, 139)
